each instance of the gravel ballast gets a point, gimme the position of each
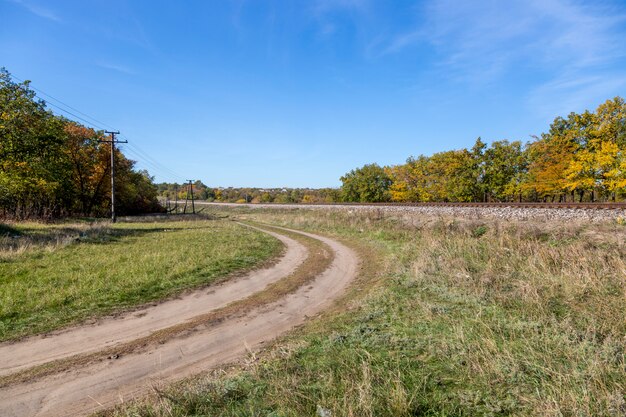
(501, 213)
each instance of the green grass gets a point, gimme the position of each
(55, 275)
(521, 319)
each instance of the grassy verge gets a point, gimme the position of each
(55, 275)
(318, 260)
(455, 318)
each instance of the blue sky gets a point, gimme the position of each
(296, 93)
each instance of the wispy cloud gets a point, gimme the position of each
(321, 7)
(115, 67)
(571, 48)
(129, 30)
(37, 10)
(573, 93)
(326, 13)
(491, 36)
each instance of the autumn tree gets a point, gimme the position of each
(549, 158)
(447, 176)
(90, 167)
(597, 165)
(404, 182)
(32, 172)
(52, 167)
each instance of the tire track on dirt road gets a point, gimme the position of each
(138, 323)
(103, 384)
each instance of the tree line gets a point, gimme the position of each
(52, 167)
(175, 191)
(582, 157)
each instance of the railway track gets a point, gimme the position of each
(570, 205)
(580, 206)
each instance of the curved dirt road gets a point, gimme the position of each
(139, 323)
(103, 384)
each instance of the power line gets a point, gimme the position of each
(78, 117)
(157, 167)
(147, 158)
(138, 152)
(113, 141)
(68, 106)
(193, 206)
(154, 167)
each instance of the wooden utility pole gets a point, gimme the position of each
(193, 206)
(176, 198)
(113, 141)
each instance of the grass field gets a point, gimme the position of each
(55, 275)
(449, 318)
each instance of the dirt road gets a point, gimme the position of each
(113, 330)
(103, 384)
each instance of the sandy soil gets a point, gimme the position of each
(104, 384)
(142, 322)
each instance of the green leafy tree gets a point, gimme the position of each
(370, 183)
(52, 167)
(503, 162)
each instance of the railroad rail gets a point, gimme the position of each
(537, 205)
(570, 205)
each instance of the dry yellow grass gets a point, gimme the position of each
(452, 317)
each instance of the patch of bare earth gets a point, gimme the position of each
(79, 375)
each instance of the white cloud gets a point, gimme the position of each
(37, 10)
(567, 48)
(115, 67)
(472, 34)
(321, 7)
(571, 93)
(326, 12)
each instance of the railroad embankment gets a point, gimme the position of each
(585, 213)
